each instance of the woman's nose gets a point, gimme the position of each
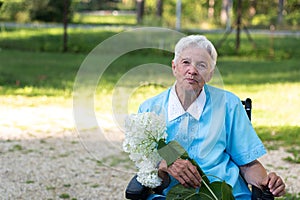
(193, 70)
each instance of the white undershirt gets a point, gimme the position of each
(175, 108)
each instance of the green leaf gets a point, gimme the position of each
(179, 192)
(208, 191)
(204, 177)
(226, 191)
(161, 143)
(216, 189)
(170, 152)
(222, 190)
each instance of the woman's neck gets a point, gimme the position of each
(187, 97)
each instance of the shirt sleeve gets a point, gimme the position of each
(243, 144)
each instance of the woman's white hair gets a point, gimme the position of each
(198, 41)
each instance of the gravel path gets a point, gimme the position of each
(42, 157)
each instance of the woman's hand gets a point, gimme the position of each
(184, 171)
(255, 174)
(275, 184)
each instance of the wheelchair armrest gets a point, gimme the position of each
(258, 194)
(136, 191)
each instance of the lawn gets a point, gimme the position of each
(31, 66)
(34, 71)
(117, 19)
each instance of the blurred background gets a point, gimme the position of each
(44, 42)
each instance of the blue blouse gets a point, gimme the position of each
(220, 141)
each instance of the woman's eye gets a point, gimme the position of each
(202, 66)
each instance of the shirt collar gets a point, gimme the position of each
(175, 108)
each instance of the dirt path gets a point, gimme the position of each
(42, 157)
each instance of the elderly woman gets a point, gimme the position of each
(211, 124)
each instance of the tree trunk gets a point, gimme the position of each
(65, 22)
(178, 15)
(280, 12)
(159, 5)
(225, 13)
(238, 24)
(140, 4)
(211, 9)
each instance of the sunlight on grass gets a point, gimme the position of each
(104, 19)
(27, 33)
(141, 94)
(51, 39)
(273, 104)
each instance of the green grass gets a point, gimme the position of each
(34, 74)
(80, 40)
(80, 18)
(32, 67)
(83, 40)
(275, 94)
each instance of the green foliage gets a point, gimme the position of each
(258, 14)
(171, 151)
(96, 5)
(193, 13)
(49, 10)
(64, 196)
(12, 10)
(178, 192)
(289, 196)
(16, 147)
(295, 158)
(34, 10)
(218, 190)
(29, 181)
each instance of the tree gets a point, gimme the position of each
(238, 24)
(178, 15)
(49, 10)
(280, 12)
(159, 6)
(225, 13)
(211, 9)
(65, 22)
(140, 7)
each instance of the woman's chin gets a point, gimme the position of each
(192, 88)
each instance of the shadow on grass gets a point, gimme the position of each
(237, 71)
(287, 136)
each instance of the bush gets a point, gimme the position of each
(31, 10)
(10, 9)
(49, 11)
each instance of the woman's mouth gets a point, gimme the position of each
(191, 80)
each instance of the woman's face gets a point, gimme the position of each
(192, 69)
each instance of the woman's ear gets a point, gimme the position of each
(209, 76)
(173, 67)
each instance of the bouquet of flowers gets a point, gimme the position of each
(145, 135)
(142, 134)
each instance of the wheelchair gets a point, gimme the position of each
(136, 191)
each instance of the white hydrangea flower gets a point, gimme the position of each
(142, 133)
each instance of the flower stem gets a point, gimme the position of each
(189, 196)
(212, 193)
